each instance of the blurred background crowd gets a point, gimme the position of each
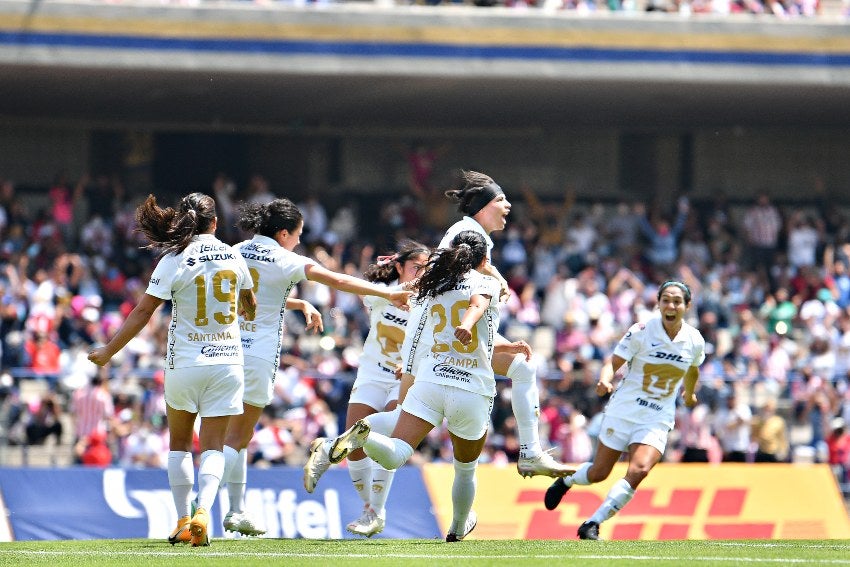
(778, 8)
(771, 292)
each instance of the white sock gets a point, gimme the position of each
(382, 480)
(619, 495)
(181, 479)
(525, 402)
(388, 452)
(383, 422)
(361, 477)
(463, 494)
(579, 477)
(209, 477)
(236, 480)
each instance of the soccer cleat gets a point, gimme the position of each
(181, 533)
(471, 522)
(588, 530)
(368, 524)
(243, 523)
(198, 526)
(542, 464)
(555, 493)
(353, 438)
(316, 465)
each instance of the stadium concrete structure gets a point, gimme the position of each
(319, 98)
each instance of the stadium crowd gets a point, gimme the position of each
(781, 9)
(771, 289)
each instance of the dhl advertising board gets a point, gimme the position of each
(675, 501)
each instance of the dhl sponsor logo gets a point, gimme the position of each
(676, 501)
(722, 521)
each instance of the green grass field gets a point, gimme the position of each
(378, 552)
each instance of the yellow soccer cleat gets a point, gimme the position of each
(198, 526)
(181, 533)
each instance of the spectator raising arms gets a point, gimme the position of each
(208, 282)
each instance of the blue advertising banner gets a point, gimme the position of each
(85, 503)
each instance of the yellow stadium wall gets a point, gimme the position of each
(676, 501)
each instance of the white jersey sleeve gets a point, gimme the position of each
(275, 272)
(203, 284)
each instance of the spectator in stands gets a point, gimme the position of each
(104, 195)
(698, 444)
(93, 450)
(315, 220)
(662, 236)
(804, 237)
(838, 443)
(770, 434)
(92, 408)
(732, 425)
(762, 225)
(143, 447)
(44, 420)
(63, 198)
(43, 354)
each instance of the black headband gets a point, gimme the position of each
(488, 193)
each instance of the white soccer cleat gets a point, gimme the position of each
(350, 440)
(368, 524)
(243, 523)
(471, 522)
(542, 464)
(317, 464)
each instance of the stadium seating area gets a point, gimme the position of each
(778, 334)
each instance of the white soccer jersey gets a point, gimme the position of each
(656, 367)
(275, 271)
(449, 361)
(382, 347)
(417, 341)
(466, 223)
(203, 284)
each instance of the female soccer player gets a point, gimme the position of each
(455, 380)
(376, 388)
(661, 354)
(485, 208)
(275, 269)
(202, 277)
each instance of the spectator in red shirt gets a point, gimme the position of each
(43, 354)
(838, 443)
(95, 452)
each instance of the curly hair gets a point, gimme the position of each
(447, 266)
(384, 270)
(170, 229)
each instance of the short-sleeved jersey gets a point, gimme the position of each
(449, 361)
(382, 347)
(656, 367)
(416, 338)
(275, 271)
(466, 223)
(203, 283)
